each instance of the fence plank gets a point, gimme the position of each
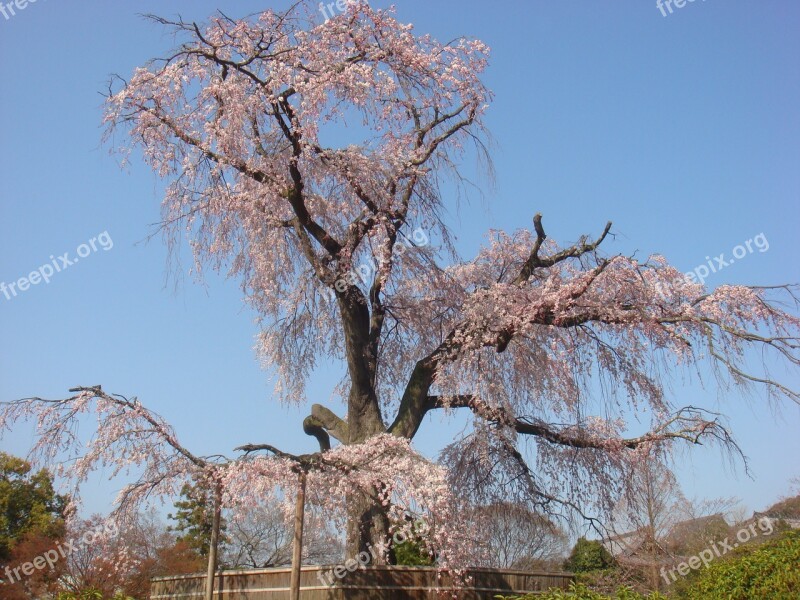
(371, 583)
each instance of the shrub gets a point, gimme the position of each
(578, 591)
(588, 556)
(412, 553)
(766, 571)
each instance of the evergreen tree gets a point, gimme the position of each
(588, 555)
(194, 514)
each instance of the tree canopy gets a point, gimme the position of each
(29, 504)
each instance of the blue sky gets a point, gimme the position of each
(684, 130)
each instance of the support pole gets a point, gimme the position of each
(214, 544)
(297, 555)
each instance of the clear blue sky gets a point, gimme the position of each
(684, 130)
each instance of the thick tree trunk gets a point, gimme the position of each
(368, 530)
(368, 523)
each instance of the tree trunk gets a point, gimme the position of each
(368, 530)
(368, 523)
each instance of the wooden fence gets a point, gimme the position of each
(371, 583)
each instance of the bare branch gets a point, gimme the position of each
(575, 251)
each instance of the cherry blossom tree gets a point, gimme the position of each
(312, 161)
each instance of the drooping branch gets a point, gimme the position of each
(128, 436)
(303, 461)
(542, 497)
(787, 346)
(689, 424)
(486, 469)
(616, 306)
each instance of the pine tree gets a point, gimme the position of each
(193, 516)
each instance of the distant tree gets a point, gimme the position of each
(786, 508)
(704, 519)
(98, 561)
(121, 562)
(28, 504)
(520, 538)
(157, 554)
(588, 555)
(727, 507)
(262, 537)
(194, 518)
(41, 583)
(662, 520)
(31, 523)
(653, 502)
(259, 536)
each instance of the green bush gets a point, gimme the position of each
(412, 553)
(588, 556)
(769, 571)
(766, 571)
(578, 591)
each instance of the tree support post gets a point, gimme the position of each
(297, 555)
(213, 546)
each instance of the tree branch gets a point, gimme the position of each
(322, 424)
(413, 403)
(687, 424)
(334, 425)
(313, 428)
(535, 261)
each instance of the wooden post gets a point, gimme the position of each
(214, 544)
(297, 555)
